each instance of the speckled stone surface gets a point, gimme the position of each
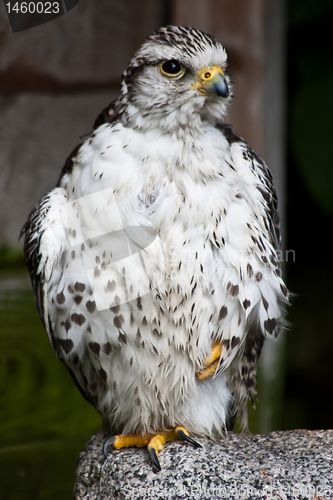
(280, 465)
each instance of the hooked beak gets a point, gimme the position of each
(212, 82)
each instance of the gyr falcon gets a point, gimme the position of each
(155, 259)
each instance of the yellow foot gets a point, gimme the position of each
(155, 442)
(211, 362)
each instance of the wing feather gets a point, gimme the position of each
(242, 371)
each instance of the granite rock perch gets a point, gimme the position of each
(279, 465)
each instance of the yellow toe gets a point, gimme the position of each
(211, 362)
(128, 440)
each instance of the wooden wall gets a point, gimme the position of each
(55, 78)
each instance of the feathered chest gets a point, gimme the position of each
(181, 198)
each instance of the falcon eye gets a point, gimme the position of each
(172, 68)
(207, 75)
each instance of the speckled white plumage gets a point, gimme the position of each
(160, 239)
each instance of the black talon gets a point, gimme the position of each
(107, 443)
(153, 454)
(180, 433)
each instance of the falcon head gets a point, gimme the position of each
(177, 78)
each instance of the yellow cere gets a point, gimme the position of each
(205, 76)
(208, 73)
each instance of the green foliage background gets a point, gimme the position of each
(45, 422)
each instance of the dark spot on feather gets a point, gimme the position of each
(270, 325)
(118, 321)
(265, 195)
(249, 270)
(226, 343)
(70, 289)
(122, 337)
(139, 303)
(73, 254)
(61, 298)
(67, 325)
(97, 272)
(256, 242)
(79, 319)
(79, 287)
(102, 373)
(144, 321)
(66, 344)
(111, 286)
(91, 306)
(223, 312)
(78, 299)
(265, 303)
(284, 290)
(114, 309)
(258, 276)
(157, 333)
(83, 247)
(234, 342)
(246, 303)
(273, 260)
(94, 347)
(107, 348)
(233, 290)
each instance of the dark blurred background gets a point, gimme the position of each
(54, 81)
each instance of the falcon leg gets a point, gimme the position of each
(211, 362)
(154, 442)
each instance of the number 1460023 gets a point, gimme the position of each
(33, 7)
